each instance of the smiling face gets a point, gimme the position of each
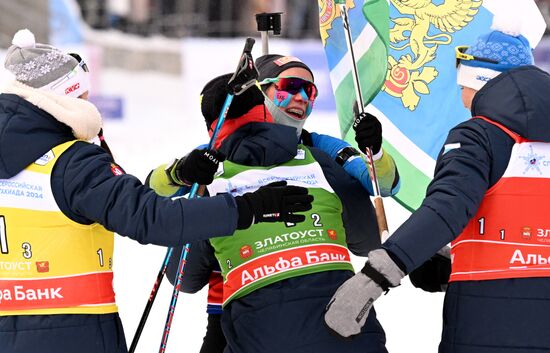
(297, 106)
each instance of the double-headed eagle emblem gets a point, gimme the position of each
(409, 75)
(423, 27)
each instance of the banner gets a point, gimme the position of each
(419, 101)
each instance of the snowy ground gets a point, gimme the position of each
(163, 121)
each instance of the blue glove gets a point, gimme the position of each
(347, 156)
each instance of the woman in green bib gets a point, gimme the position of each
(279, 277)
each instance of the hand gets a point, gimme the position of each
(433, 275)
(199, 166)
(347, 311)
(368, 131)
(274, 202)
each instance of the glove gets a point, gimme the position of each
(368, 131)
(274, 202)
(199, 166)
(433, 275)
(349, 308)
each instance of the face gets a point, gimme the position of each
(468, 96)
(298, 104)
(84, 95)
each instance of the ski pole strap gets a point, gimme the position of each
(377, 277)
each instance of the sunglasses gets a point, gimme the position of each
(80, 69)
(460, 53)
(293, 85)
(81, 62)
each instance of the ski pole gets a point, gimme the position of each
(378, 203)
(162, 271)
(244, 77)
(268, 22)
(150, 302)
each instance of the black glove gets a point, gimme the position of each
(433, 275)
(368, 131)
(199, 166)
(274, 202)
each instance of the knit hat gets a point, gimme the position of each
(500, 50)
(45, 67)
(213, 97)
(271, 65)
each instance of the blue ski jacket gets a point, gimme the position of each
(508, 315)
(87, 191)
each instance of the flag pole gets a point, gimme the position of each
(378, 202)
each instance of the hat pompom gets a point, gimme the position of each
(24, 39)
(507, 24)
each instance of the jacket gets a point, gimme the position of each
(473, 159)
(298, 301)
(89, 187)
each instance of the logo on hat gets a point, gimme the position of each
(72, 88)
(483, 78)
(285, 60)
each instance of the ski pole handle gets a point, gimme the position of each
(248, 45)
(381, 218)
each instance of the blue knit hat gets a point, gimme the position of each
(500, 50)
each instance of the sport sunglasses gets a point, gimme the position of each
(460, 53)
(60, 81)
(293, 85)
(81, 62)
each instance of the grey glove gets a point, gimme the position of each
(349, 308)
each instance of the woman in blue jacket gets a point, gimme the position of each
(489, 199)
(61, 199)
